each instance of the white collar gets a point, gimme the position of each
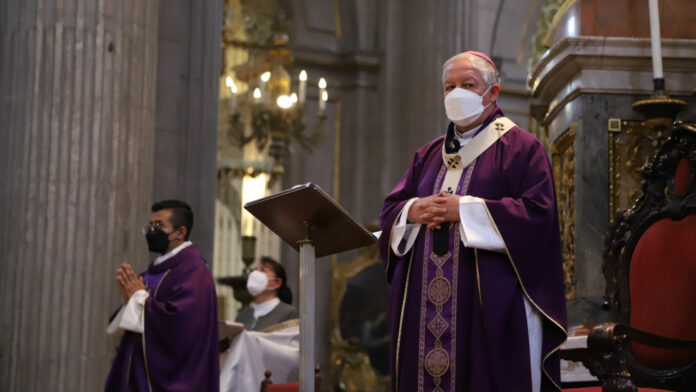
(265, 308)
(465, 137)
(171, 253)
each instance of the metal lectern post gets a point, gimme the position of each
(307, 219)
(307, 310)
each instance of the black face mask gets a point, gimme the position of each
(157, 241)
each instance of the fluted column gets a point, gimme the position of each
(77, 83)
(413, 109)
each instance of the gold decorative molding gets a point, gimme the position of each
(337, 19)
(541, 132)
(525, 29)
(543, 27)
(337, 151)
(632, 144)
(563, 158)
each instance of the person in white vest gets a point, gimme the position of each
(265, 335)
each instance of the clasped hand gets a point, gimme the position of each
(128, 282)
(434, 210)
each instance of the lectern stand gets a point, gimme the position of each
(307, 219)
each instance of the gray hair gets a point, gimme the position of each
(488, 72)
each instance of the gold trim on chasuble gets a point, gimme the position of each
(401, 319)
(440, 291)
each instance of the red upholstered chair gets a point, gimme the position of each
(268, 386)
(650, 272)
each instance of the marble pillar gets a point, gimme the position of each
(77, 122)
(578, 86)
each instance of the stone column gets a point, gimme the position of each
(413, 112)
(77, 100)
(188, 70)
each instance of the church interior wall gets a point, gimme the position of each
(382, 62)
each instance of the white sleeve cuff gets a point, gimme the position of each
(133, 312)
(477, 230)
(404, 234)
(113, 325)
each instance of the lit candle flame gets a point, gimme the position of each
(284, 101)
(266, 76)
(303, 75)
(324, 96)
(293, 98)
(257, 93)
(322, 83)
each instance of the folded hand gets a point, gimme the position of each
(435, 209)
(128, 282)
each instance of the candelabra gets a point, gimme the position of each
(276, 117)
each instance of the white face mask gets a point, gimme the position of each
(257, 282)
(463, 106)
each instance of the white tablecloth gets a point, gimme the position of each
(252, 353)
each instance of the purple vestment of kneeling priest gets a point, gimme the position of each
(179, 349)
(458, 319)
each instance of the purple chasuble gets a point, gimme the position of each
(179, 349)
(458, 320)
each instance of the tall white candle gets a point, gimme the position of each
(323, 95)
(233, 93)
(265, 77)
(303, 86)
(655, 39)
(322, 100)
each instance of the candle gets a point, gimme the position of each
(265, 77)
(233, 93)
(257, 94)
(284, 101)
(303, 85)
(655, 39)
(323, 95)
(322, 101)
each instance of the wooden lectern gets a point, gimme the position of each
(307, 219)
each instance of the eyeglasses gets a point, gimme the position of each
(151, 226)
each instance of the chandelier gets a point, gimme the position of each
(266, 105)
(276, 115)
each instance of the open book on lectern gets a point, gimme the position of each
(290, 212)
